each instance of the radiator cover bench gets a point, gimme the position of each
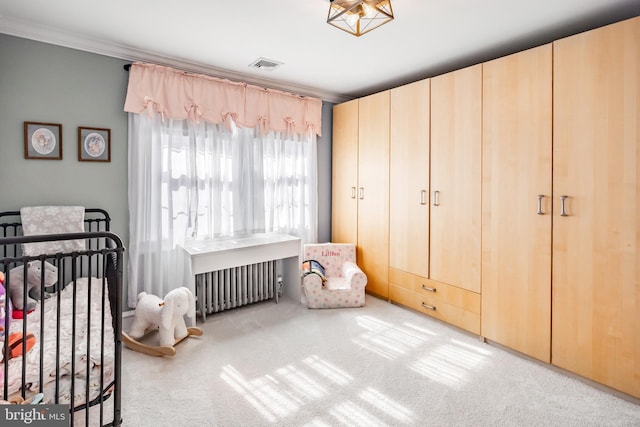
(241, 264)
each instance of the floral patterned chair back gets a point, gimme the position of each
(339, 282)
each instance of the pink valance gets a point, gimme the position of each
(179, 95)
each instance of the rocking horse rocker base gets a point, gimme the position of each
(156, 350)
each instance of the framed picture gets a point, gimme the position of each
(42, 141)
(94, 144)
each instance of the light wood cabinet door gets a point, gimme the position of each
(373, 192)
(409, 179)
(360, 184)
(456, 178)
(596, 246)
(344, 173)
(516, 240)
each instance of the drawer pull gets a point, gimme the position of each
(425, 288)
(430, 307)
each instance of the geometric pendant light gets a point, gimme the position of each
(358, 17)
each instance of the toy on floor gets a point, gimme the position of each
(165, 316)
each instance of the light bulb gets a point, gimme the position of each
(369, 11)
(352, 19)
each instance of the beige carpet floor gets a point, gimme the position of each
(282, 364)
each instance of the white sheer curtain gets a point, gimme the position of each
(199, 181)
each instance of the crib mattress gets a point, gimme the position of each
(81, 328)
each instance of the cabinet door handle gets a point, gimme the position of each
(423, 197)
(563, 211)
(436, 198)
(424, 287)
(430, 307)
(540, 197)
(353, 192)
(361, 193)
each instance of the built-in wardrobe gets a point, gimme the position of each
(434, 232)
(507, 200)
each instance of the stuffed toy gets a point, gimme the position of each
(17, 399)
(17, 286)
(167, 315)
(5, 307)
(16, 343)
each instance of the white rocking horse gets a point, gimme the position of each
(165, 316)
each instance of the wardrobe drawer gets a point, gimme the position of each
(406, 280)
(453, 295)
(445, 302)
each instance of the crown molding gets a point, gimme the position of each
(25, 29)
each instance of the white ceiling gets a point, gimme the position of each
(222, 38)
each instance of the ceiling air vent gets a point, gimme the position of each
(265, 64)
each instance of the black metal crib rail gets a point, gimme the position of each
(104, 261)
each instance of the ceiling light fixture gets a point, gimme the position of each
(358, 17)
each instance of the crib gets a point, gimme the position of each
(72, 351)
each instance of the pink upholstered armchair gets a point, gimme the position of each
(344, 281)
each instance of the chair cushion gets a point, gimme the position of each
(337, 284)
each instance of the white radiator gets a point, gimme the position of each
(230, 253)
(236, 286)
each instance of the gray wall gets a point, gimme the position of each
(45, 83)
(324, 174)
